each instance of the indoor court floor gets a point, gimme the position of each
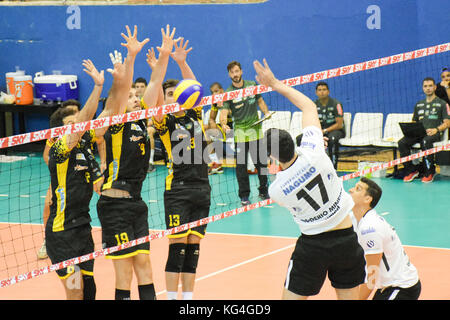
(243, 257)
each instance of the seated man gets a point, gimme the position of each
(331, 119)
(434, 113)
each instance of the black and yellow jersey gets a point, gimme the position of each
(185, 143)
(216, 108)
(72, 175)
(127, 156)
(50, 142)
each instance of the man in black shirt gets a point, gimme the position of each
(187, 194)
(443, 88)
(122, 213)
(68, 229)
(331, 116)
(434, 114)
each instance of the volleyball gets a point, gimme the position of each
(188, 93)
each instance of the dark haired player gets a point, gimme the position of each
(309, 187)
(122, 212)
(389, 269)
(68, 229)
(187, 190)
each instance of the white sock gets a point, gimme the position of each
(213, 157)
(171, 295)
(152, 154)
(187, 295)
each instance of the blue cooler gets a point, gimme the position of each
(56, 87)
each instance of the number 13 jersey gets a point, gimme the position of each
(310, 187)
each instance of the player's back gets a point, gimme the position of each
(311, 189)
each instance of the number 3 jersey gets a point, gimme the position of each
(127, 157)
(310, 187)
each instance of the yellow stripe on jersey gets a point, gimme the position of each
(143, 104)
(61, 196)
(116, 141)
(165, 138)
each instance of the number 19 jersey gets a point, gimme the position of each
(310, 188)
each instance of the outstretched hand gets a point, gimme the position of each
(264, 75)
(151, 58)
(132, 44)
(91, 70)
(180, 53)
(119, 68)
(167, 41)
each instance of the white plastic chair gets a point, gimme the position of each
(347, 123)
(366, 129)
(279, 120)
(392, 131)
(295, 127)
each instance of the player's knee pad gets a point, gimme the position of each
(191, 259)
(89, 288)
(175, 260)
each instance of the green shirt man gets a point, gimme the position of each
(244, 110)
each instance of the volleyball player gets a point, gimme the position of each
(389, 269)
(68, 230)
(187, 189)
(72, 107)
(309, 187)
(122, 213)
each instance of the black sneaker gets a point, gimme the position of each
(264, 196)
(245, 201)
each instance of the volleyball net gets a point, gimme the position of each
(374, 96)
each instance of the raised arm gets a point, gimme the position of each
(180, 55)
(151, 61)
(122, 77)
(266, 77)
(153, 90)
(90, 107)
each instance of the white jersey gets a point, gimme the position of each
(310, 187)
(376, 235)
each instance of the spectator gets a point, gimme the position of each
(331, 116)
(247, 137)
(434, 114)
(443, 88)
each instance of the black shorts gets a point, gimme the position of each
(184, 205)
(68, 244)
(336, 252)
(397, 293)
(123, 220)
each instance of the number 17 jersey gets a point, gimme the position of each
(310, 188)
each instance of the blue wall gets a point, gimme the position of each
(296, 36)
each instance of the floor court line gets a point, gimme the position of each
(236, 265)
